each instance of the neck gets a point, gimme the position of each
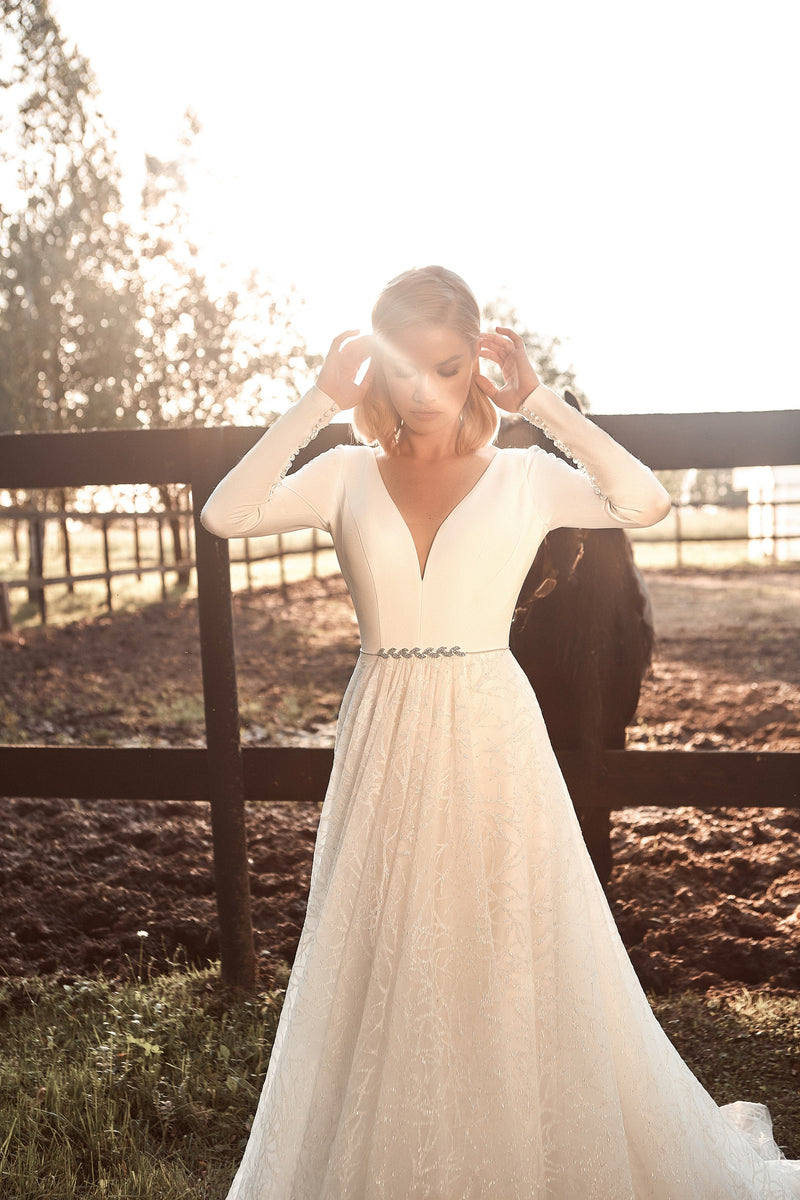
(428, 447)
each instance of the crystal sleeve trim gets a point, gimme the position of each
(326, 417)
(534, 419)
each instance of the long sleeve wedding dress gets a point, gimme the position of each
(462, 1021)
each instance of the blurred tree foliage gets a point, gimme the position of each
(206, 354)
(68, 303)
(108, 319)
(541, 350)
(701, 486)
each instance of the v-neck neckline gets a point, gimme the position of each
(423, 569)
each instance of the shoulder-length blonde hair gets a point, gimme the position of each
(425, 296)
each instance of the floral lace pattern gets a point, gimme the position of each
(462, 1021)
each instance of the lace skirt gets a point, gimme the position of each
(462, 1021)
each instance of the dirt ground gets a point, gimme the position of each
(708, 900)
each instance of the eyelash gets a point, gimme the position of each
(399, 373)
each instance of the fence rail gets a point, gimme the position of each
(224, 773)
(668, 778)
(277, 549)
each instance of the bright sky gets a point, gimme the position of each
(626, 172)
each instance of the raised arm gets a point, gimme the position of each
(610, 487)
(256, 497)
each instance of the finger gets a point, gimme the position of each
(511, 335)
(500, 346)
(491, 354)
(487, 386)
(360, 348)
(342, 337)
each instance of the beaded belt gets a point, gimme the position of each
(418, 652)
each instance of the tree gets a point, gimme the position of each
(207, 355)
(68, 307)
(68, 304)
(700, 486)
(102, 325)
(541, 350)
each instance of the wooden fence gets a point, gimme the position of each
(224, 774)
(106, 521)
(679, 538)
(277, 549)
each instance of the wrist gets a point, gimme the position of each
(526, 402)
(320, 388)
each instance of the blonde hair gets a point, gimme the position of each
(425, 296)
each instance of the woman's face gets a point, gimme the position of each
(428, 373)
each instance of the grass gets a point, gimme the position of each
(146, 1089)
(742, 1046)
(131, 1090)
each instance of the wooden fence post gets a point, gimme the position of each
(6, 624)
(161, 559)
(282, 567)
(36, 540)
(137, 549)
(65, 544)
(107, 561)
(225, 778)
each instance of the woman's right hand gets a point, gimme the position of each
(342, 364)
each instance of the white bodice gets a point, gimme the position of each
(482, 550)
(474, 570)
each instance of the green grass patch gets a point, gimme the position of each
(742, 1046)
(132, 1090)
(147, 1089)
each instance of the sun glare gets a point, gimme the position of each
(648, 223)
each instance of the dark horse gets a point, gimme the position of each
(583, 634)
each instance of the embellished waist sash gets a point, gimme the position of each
(428, 652)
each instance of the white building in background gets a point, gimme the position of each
(773, 511)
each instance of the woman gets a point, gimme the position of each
(462, 1021)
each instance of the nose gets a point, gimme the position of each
(422, 390)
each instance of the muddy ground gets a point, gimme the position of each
(707, 900)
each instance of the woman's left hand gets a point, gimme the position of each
(507, 349)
